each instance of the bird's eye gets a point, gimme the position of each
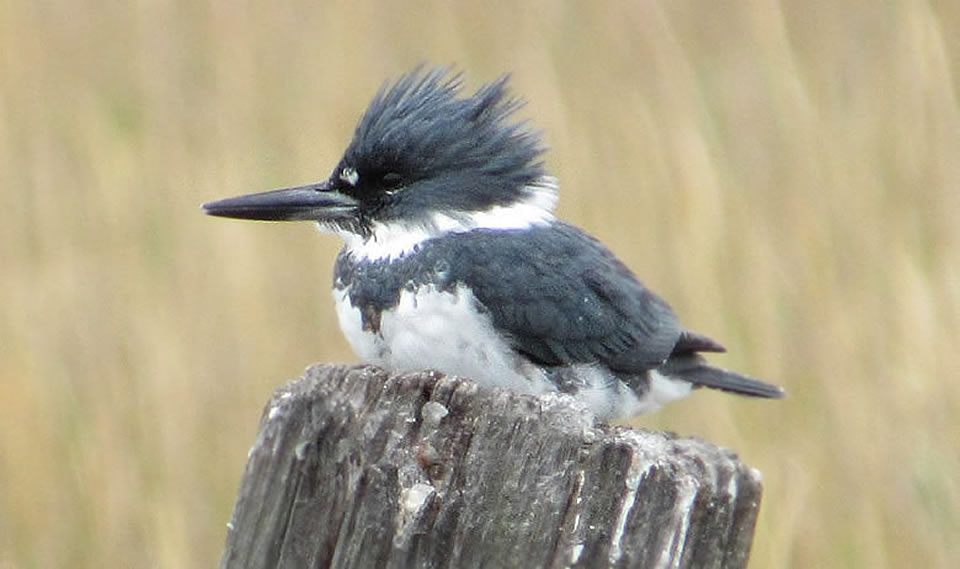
(391, 181)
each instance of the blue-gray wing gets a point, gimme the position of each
(563, 298)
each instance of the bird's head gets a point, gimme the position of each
(424, 160)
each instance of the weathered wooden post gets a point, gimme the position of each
(355, 468)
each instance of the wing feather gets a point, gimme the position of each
(563, 298)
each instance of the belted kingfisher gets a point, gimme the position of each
(454, 261)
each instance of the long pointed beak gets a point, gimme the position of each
(315, 202)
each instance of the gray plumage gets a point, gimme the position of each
(453, 259)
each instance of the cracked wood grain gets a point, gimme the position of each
(353, 467)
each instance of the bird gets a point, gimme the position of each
(453, 259)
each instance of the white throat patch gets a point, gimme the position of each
(396, 239)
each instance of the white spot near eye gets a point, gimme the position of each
(350, 176)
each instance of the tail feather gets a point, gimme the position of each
(690, 342)
(724, 380)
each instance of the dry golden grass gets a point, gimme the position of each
(786, 174)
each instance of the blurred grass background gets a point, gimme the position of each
(786, 174)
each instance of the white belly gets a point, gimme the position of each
(432, 329)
